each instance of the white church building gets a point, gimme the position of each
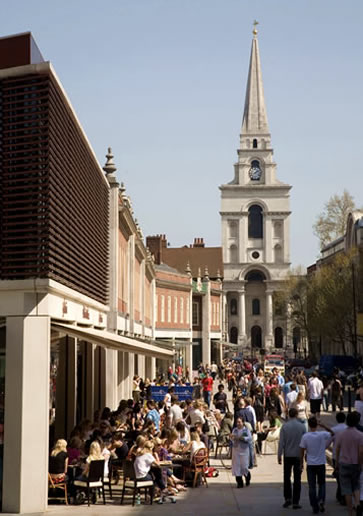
(255, 212)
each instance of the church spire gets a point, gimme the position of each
(254, 116)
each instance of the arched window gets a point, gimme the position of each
(296, 336)
(233, 307)
(279, 337)
(255, 143)
(255, 307)
(255, 221)
(256, 337)
(255, 276)
(233, 335)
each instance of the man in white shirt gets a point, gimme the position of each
(337, 429)
(291, 396)
(316, 390)
(314, 444)
(175, 413)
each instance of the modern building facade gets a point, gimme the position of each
(255, 214)
(77, 284)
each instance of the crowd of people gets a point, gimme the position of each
(260, 407)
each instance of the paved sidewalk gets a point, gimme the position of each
(262, 497)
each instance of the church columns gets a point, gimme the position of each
(269, 319)
(242, 315)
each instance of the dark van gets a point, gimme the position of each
(346, 363)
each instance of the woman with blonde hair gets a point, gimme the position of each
(196, 414)
(58, 461)
(146, 467)
(300, 405)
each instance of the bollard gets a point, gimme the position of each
(349, 399)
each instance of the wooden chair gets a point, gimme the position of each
(131, 482)
(54, 485)
(197, 466)
(95, 479)
(222, 441)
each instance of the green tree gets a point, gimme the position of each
(331, 222)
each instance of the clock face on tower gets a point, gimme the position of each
(255, 171)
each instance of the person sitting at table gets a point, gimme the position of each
(149, 430)
(153, 414)
(139, 444)
(195, 445)
(172, 443)
(143, 468)
(74, 450)
(183, 433)
(196, 414)
(58, 461)
(173, 482)
(95, 453)
(203, 436)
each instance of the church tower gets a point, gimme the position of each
(255, 229)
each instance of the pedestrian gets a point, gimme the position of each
(313, 445)
(220, 399)
(289, 446)
(337, 429)
(349, 459)
(336, 390)
(207, 384)
(241, 438)
(214, 370)
(316, 390)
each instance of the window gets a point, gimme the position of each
(175, 309)
(233, 307)
(233, 335)
(182, 310)
(296, 336)
(255, 143)
(256, 337)
(255, 307)
(279, 337)
(169, 308)
(195, 319)
(188, 311)
(217, 314)
(255, 222)
(162, 308)
(255, 276)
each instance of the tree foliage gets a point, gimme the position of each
(321, 304)
(330, 224)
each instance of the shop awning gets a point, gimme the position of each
(107, 339)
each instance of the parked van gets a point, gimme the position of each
(346, 363)
(272, 361)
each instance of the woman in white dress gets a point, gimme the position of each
(241, 439)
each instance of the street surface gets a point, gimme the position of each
(263, 496)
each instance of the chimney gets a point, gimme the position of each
(198, 242)
(156, 244)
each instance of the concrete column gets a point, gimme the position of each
(66, 402)
(109, 379)
(242, 314)
(120, 375)
(90, 379)
(131, 371)
(26, 425)
(269, 320)
(225, 240)
(141, 365)
(189, 356)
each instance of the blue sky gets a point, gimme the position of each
(163, 83)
